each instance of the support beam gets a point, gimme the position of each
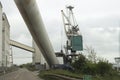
(22, 46)
(31, 15)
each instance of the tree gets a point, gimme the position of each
(90, 68)
(92, 65)
(80, 63)
(91, 55)
(103, 68)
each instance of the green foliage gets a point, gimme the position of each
(103, 68)
(29, 66)
(44, 73)
(80, 63)
(107, 77)
(83, 65)
(90, 68)
(92, 57)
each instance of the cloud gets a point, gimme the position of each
(103, 35)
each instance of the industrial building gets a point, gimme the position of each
(4, 40)
(116, 65)
(38, 59)
(0, 34)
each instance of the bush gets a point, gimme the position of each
(90, 69)
(29, 66)
(83, 65)
(80, 63)
(103, 68)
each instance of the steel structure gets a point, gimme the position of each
(30, 13)
(70, 24)
(74, 37)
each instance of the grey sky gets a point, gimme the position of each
(99, 23)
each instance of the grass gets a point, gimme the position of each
(59, 72)
(45, 75)
(107, 77)
(28, 66)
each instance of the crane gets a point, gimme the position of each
(74, 41)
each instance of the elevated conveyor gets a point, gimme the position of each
(21, 46)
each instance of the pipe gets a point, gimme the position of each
(31, 15)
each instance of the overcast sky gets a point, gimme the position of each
(98, 20)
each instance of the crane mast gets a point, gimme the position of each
(70, 24)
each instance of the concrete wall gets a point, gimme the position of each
(6, 39)
(37, 54)
(38, 57)
(0, 34)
